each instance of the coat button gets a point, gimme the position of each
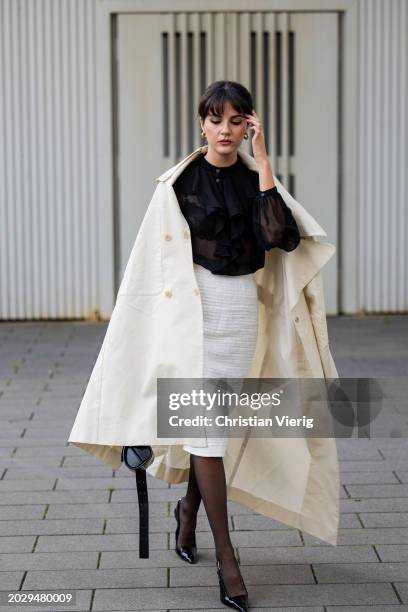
(186, 234)
(168, 237)
(196, 291)
(168, 293)
(297, 319)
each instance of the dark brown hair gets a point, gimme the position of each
(219, 92)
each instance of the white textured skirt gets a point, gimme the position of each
(230, 326)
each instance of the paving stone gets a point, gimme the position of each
(11, 580)
(388, 535)
(387, 443)
(278, 574)
(35, 429)
(96, 579)
(357, 452)
(358, 477)
(51, 527)
(98, 542)
(374, 505)
(48, 561)
(256, 538)
(21, 463)
(349, 521)
(368, 490)
(26, 485)
(108, 510)
(118, 483)
(59, 413)
(11, 430)
(347, 573)
(58, 453)
(29, 402)
(307, 554)
(384, 519)
(52, 470)
(22, 512)
(59, 430)
(14, 544)
(13, 414)
(263, 609)
(402, 588)
(395, 453)
(372, 608)
(53, 497)
(389, 552)
(81, 460)
(34, 443)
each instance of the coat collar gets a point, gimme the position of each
(308, 226)
(173, 172)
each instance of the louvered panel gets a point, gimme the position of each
(48, 240)
(383, 248)
(258, 63)
(203, 47)
(270, 85)
(174, 101)
(245, 24)
(208, 27)
(183, 61)
(220, 40)
(282, 87)
(233, 47)
(199, 68)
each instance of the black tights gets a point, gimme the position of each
(207, 482)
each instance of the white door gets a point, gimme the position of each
(289, 62)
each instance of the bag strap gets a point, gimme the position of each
(143, 500)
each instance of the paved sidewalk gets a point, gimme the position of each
(69, 522)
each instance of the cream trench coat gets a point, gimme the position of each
(156, 330)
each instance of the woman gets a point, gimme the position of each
(234, 215)
(157, 328)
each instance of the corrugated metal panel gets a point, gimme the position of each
(48, 239)
(383, 247)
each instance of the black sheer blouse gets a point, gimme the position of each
(232, 223)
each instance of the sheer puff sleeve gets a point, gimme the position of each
(273, 222)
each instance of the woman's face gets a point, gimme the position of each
(231, 126)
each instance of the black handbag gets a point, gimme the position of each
(137, 459)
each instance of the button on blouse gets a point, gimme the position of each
(232, 223)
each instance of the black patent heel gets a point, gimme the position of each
(237, 602)
(187, 553)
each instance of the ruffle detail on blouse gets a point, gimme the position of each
(229, 215)
(232, 222)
